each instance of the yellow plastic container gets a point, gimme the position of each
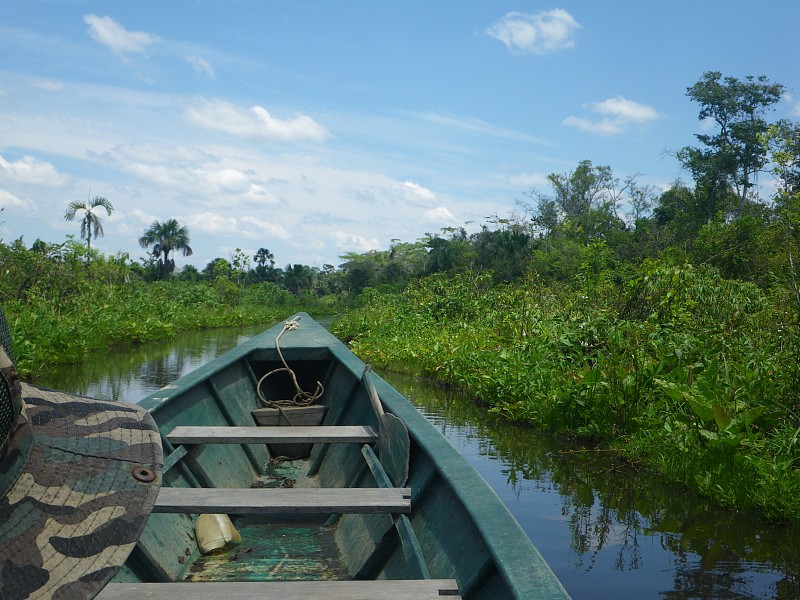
(215, 533)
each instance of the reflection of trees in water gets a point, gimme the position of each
(132, 373)
(595, 524)
(611, 506)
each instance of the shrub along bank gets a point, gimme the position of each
(61, 306)
(674, 366)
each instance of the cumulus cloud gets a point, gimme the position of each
(142, 216)
(247, 227)
(539, 33)
(202, 66)
(354, 242)
(109, 33)
(618, 115)
(439, 216)
(9, 199)
(256, 228)
(254, 123)
(417, 192)
(30, 170)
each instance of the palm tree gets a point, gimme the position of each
(90, 223)
(264, 256)
(164, 238)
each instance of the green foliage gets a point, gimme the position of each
(674, 365)
(166, 238)
(91, 223)
(732, 155)
(60, 307)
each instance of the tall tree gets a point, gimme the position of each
(264, 256)
(166, 238)
(583, 204)
(91, 222)
(298, 278)
(265, 266)
(733, 155)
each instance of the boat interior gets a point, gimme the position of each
(325, 492)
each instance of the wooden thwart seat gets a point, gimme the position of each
(273, 435)
(429, 589)
(283, 500)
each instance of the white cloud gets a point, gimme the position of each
(7, 198)
(602, 127)
(529, 180)
(31, 171)
(256, 228)
(708, 124)
(626, 110)
(162, 153)
(142, 216)
(439, 216)
(211, 223)
(225, 179)
(478, 126)
(794, 104)
(49, 85)
(204, 182)
(108, 32)
(354, 242)
(253, 123)
(202, 66)
(539, 33)
(618, 113)
(247, 227)
(417, 192)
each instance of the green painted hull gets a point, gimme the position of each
(463, 530)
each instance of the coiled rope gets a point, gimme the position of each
(301, 397)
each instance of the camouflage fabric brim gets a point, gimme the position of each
(82, 500)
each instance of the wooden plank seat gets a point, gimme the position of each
(273, 435)
(283, 500)
(427, 589)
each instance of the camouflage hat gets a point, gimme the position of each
(78, 479)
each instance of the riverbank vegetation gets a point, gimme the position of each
(670, 333)
(675, 366)
(63, 301)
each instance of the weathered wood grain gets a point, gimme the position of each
(271, 435)
(430, 589)
(283, 500)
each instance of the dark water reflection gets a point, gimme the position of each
(606, 529)
(134, 373)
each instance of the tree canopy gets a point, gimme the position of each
(91, 224)
(165, 238)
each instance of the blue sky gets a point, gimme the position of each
(320, 128)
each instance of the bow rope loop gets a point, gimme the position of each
(301, 397)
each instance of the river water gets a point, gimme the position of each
(607, 529)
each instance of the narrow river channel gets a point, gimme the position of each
(607, 529)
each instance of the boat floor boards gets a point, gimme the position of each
(430, 589)
(275, 550)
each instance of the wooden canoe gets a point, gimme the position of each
(344, 506)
